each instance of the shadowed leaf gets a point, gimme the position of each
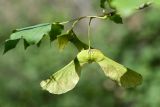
(63, 40)
(56, 30)
(116, 18)
(26, 45)
(71, 36)
(78, 43)
(10, 44)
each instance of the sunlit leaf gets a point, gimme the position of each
(30, 35)
(33, 35)
(122, 75)
(65, 38)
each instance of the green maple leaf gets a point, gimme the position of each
(32, 35)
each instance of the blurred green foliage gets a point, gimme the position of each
(135, 44)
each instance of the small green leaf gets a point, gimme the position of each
(56, 30)
(31, 35)
(122, 75)
(116, 18)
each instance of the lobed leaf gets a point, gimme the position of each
(33, 35)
